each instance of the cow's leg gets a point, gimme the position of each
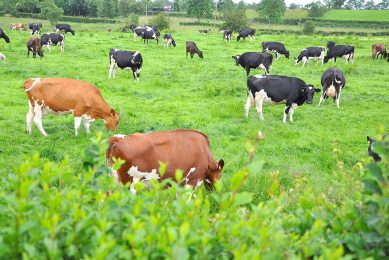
(294, 106)
(322, 98)
(251, 38)
(248, 104)
(77, 123)
(38, 115)
(112, 68)
(191, 55)
(338, 97)
(304, 60)
(87, 122)
(258, 105)
(28, 52)
(267, 70)
(62, 46)
(48, 47)
(186, 54)
(277, 56)
(247, 68)
(29, 117)
(286, 111)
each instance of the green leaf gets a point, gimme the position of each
(371, 186)
(376, 171)
(243, 198)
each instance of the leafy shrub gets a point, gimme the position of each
(50, 11)
(161, 21)
(133, 19)
(309, 27)
(235, 20)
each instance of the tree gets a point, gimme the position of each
(225, 6)
(108, 8)
(235, 20)
(354, 4)
(315, 9)
(384, 5)
(124, 7)
(294, 6)
(51, 12)
(309, 27)
(161, 21)
(369, 5)
(200, 8)
(273, 10)
(334, 4)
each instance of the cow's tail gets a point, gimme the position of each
(108, 154)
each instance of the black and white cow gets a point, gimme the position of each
(168, 40)
(370, 149)
(254, 60)
(4, 36)
(133, 27)
(125, 60)
(53, 39)
(247, 32)
(138, 32)
(344, 51)
(278, 89)
(64, 27)
(276, 47)
(150, 34)
(227, 35)
(35, 28)
(333, 81)
(311, 53)
(204, 31)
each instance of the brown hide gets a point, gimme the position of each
(180, 149)
(34, 45)
(378, 49)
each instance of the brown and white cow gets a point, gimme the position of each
(67, 96)
(34, 45)
(187, 150)
(18, 26)
(377, 50)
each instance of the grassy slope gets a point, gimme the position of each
(207, 95)
(357, 15)
(289, 14)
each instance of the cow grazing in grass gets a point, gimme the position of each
(227, 35)
(34, 45)
(150, 34)
(4, 36)
(64, 27)
(254, 60)
(35, 28)
(168, 40)
(377, 50)
(333, 81)
(67, 96)
(185, 150)
(334, 51)
(247, 32)
(276, 47)
(370, 149)
(278, 89)
(311, 53)
(191, 48)
(2, 57)
(205, 31)
(18, 26)
(53, 39)
(125, 60)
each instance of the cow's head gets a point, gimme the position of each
(236, 58)
(40, 53)
(173, 43)
(296, 60)
(330, 44)
(287, 54)
(326, 58)
(308, 92)
(372, 154)
(213, 175)
(112, 120)
(238, 38)
(201, 54)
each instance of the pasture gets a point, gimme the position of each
(357, 15)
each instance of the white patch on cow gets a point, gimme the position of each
(347, 56)
(139, 175)
(2, 57)
(121, 136)
(187, 178)
(259, 76)
(291, 111)
(115, 176)
(112, 68)
(305, 60)
(284, 119)
(87, 120)
(77, 123)
(29, 117)
(261, 97)
(338, 97)
(310, 87)
(198, 184)
(38, 117)
(331, 91)
(36, 81)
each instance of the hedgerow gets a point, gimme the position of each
(49, 212)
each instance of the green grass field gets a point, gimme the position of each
(207, 95)
(357, 15)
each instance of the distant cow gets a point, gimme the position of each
(18, 26)
(35, 28)
(67, 96)
(185, 150)
(125, 60)
(53, 39)
(254, 60)
(34, 45)
(138, 32)
(333, 81)
(191, 48)
(377, 50)
(372, 143)
(204, 31)
(64, 27)
(227, 35)
(334, 51)
(4, 36)
(150, 34)
(247, 32)
(311, 53)
(2, 57)
(276, 47)
(278, 89)
(168, 40)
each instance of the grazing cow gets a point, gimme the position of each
(4, 36)
(372, 154)
(150, 34)
(2, 57)
(254, 60)
(34, 45)
(247, 32)
(138, 32)
(276, 47)
(334, 51)
(125, 60)
(204, 31)
(185, 150)
(168, 40)
(53, 39)
(278, 89)
(333, 81)
(132, 27)
(191, 48)
(227, 34)
(64, 27)
(378, 49)
(67, 96)
(18, 26)
(35, 28)
(311, 53)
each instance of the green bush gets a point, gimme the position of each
(161, 21)
(133, 19)
(309, 27)
(235, 20)
(49, 212)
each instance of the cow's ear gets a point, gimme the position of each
(317, 89)
(113, 112)
(369, 139)
(220, 164)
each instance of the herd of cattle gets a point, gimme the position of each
(143, 152)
